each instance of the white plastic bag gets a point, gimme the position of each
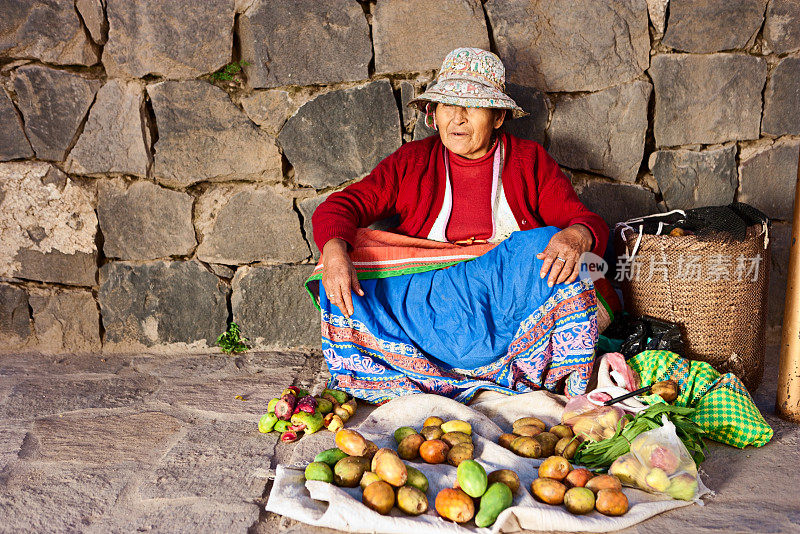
(659, 463)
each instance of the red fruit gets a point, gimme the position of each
(289, 436)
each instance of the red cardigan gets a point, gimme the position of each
(411, 183)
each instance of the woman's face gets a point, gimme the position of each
(467, 131)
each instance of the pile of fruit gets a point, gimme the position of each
(437, 442)
(384, 479)
(578, 490)
(296, 412)
(530, 438)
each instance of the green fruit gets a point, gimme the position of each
(330, 456)
(416, 478)
(324, 406)
(340, 396)
(267, 423)
(313, 421)
(403, 432)
(319, 471)
(282, 426)
(496, 499)
(348, 471)
(472, 478)
(271, 405)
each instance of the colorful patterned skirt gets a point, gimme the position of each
(451, 320)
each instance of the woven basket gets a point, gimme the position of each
(722, 320)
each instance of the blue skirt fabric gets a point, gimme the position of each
(488, 323)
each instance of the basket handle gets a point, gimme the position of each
(626, 226)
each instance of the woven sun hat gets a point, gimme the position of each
(471, 78)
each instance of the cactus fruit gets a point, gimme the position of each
(306, 404)
(284, 408)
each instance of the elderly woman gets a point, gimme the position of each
(478, 286)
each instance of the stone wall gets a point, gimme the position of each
(146, 200)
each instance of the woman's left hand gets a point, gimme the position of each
(563, 252)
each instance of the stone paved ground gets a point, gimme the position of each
(150, 442)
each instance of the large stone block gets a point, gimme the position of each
(569, 45)
(691, 179)
(415, 35)
(66, 321)
(602, 132)
(273, 307)
(15, 317)
(782, 99)
(112, 140)
(53, 104)
(703, 26)
(142, 221)
(767, 176)
(707, 99)
(534, 102)
(241, 225)
(304, 42)
(616, 202)
(161, 302)
(13, 143)
(342, 135)
(202, 135)
(782, 26)
(47, 225)
(175, 39)
(49, 31)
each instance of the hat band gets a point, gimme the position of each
(469, 75)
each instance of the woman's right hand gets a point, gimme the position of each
(339, 276)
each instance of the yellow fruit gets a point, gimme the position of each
(456, 425)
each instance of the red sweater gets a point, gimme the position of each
(471, 180)
(411, 183)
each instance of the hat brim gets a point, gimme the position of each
(468, 94)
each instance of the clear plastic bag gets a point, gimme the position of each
(591, 422)
(659, 463)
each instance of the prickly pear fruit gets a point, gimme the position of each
(368, 478)
(282, 426)
(579, 500)
(456, 425)
(507, 477)
(330, 456)
(271, 405)
(379, 496)
(497, 498)
(392, 470)
(284, 408)
(307, 404)
(555, 467)
(348, 471)
(343, 414)
(289, 436)
(294, 390)
(351, 442)
(319, 471)
(324, 406)
(350, 406)
(472, 478)
(455, 505)
(312, 422)
(333, 422)
(267, 423)
(416, 478)
(412, 500)
(401, 433)
(339, 396)
(377, 456)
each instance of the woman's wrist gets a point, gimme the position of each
(335, 246)
(586, 234)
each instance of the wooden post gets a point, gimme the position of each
(788, 397)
